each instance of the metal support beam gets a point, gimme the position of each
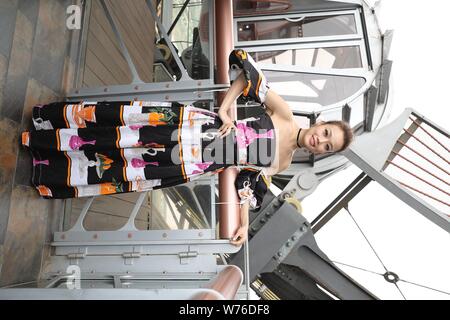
(174, 23)
(123, 47)
(171, 91)
(162, 31)
(340, 202)
(296, 246)
(370, 152)
(425, 209)
(82, 43)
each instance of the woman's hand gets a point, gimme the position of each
(227, 125)
(240, 236)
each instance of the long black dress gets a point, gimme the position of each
(88, 148)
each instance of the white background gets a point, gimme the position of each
(407, 243)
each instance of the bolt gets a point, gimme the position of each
(303, 229)
(78, 91)
(288, 244)
(136, 88)
(105, 90)
(164, 235)
(164, 272)
(200, 234)
(167, 85)
(262, 220)
(267, 214)
(293, 238)
(199, 83)
(253, 229)
(130, 235)
(63, 236)
(279, 253)
(95, 236)
(199, 95)
(167, 97)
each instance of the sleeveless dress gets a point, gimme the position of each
(90, 148)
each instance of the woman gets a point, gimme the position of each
(98, 148)
(323, 137)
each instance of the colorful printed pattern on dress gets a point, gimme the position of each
(89, 148)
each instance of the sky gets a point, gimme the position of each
(406, 242)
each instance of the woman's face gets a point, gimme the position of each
(323, 138)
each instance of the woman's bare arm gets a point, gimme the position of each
(278, 106)
(232, 94)
(242, 233)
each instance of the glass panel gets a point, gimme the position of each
(334, 57)
(318, 26)
(108, 213)
(191, 37)
(310, 92)
(105, 63)
(357, 111)
(186, 206)
(181, 207)
(251, 7)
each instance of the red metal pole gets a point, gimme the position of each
(229, 220)
(226, 283)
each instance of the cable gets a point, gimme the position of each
(346, 208)
(373, 249)
(420, 285)
(413, 283)
(404, 298)
(348, 265)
